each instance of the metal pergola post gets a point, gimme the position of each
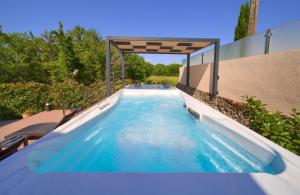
(107, 69)
(188, 70)
(215, 70)
(122, 68)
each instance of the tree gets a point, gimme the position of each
(67, 61)
(160, 70)
(166, 70)
(149, 69)
(136, 67)
(20, 59)
(173, 69)
(253, 17)
(243, 21)
(89, 47)
(66, 56)
(54, 55)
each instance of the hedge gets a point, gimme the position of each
(17, 98)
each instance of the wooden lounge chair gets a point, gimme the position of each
(11, 144)
(35, 131)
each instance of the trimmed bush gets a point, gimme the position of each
(68, 94)
(17, 98)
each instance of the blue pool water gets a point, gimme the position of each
(152, 133)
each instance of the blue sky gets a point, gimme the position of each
(171, 18)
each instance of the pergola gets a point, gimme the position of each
(158, 45)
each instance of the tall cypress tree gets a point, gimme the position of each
(243, 21)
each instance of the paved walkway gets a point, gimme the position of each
(54, 116)
(6, 122)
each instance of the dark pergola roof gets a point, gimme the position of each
(156, 45)
(161, 45)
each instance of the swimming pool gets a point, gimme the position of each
(148, 132)
(147, 141)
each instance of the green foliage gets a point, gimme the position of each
(67, 61)
(53, 56)
(173, 69)
(159, 70)
(19, 60)
(243, 21)
(282, 130)
(39, 69)
(67, 94)
(139, 69)
(166, 70)
(20, 97)
(162, 80)
(136, 67)
(17, 98)
(89, 47)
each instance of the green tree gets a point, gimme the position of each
(136, 67)
(55, 54)
(173, 69)
(19, 58)
(89, 47)
(149, 69)
(67, 61)
(243, 21)
(160, 70)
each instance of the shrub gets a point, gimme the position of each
(283, 130)
(162, 80)
(16, 98)
(67, 94)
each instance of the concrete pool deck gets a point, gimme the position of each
(16, 177)
(53, 116)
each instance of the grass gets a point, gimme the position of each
(162, 80)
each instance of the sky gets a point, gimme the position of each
(156, 18)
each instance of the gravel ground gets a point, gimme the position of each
(233, 109)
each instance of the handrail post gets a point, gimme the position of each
(107, 71)
(268, 40)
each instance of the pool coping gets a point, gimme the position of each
(291, 172)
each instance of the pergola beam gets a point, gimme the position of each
(175, 39)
